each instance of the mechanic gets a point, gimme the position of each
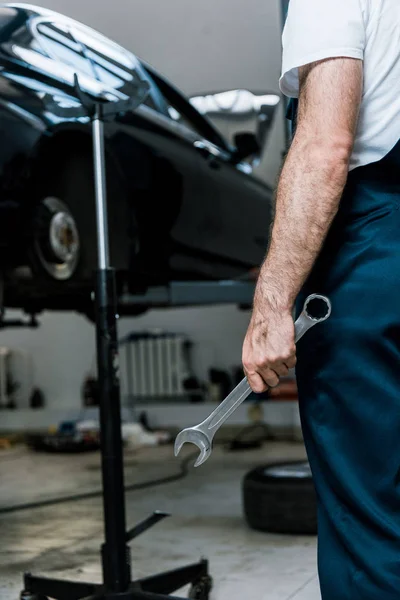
(337, 232)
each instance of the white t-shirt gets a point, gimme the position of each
(368, 30)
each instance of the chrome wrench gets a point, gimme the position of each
(202, 435)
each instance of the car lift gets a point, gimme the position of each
(193, 293)
(117, 582)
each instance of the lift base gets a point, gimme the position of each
(156, 587)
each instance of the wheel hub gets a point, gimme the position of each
(63, 236)
(57, 239)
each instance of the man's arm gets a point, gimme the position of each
(308, 196)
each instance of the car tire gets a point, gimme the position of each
(63, 241)
(280, 498)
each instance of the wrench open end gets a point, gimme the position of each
(199, 439)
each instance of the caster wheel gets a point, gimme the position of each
(201, 589)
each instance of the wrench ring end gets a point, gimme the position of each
(323, 299)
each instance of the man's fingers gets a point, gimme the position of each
(281, 370)
(267, 366)
(256, 383)
(265, 373)
(260, 381)
(291, 362)
(270, 377)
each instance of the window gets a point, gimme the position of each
(58, 43)
(111, 64)
(180, 110)
(108, 65)
(6, 16)
(177, 116)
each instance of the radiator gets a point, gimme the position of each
(155, 365)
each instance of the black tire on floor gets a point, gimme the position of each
(280, 498)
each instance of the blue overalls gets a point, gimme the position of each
(348, 375)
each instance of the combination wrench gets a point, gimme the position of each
(202, 435)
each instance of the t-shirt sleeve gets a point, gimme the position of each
(316, 30)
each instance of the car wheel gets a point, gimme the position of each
(280, 498)
(56, 241)
(63, 246)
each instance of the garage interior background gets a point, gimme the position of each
(202, 47)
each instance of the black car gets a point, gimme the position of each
(183, 202)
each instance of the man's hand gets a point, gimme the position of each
(269, 349)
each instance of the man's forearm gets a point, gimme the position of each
(308, 196)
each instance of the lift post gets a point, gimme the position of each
(117, 583)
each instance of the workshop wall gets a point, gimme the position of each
(201, 46)
(63, 348)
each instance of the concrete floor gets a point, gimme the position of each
(63, 541)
